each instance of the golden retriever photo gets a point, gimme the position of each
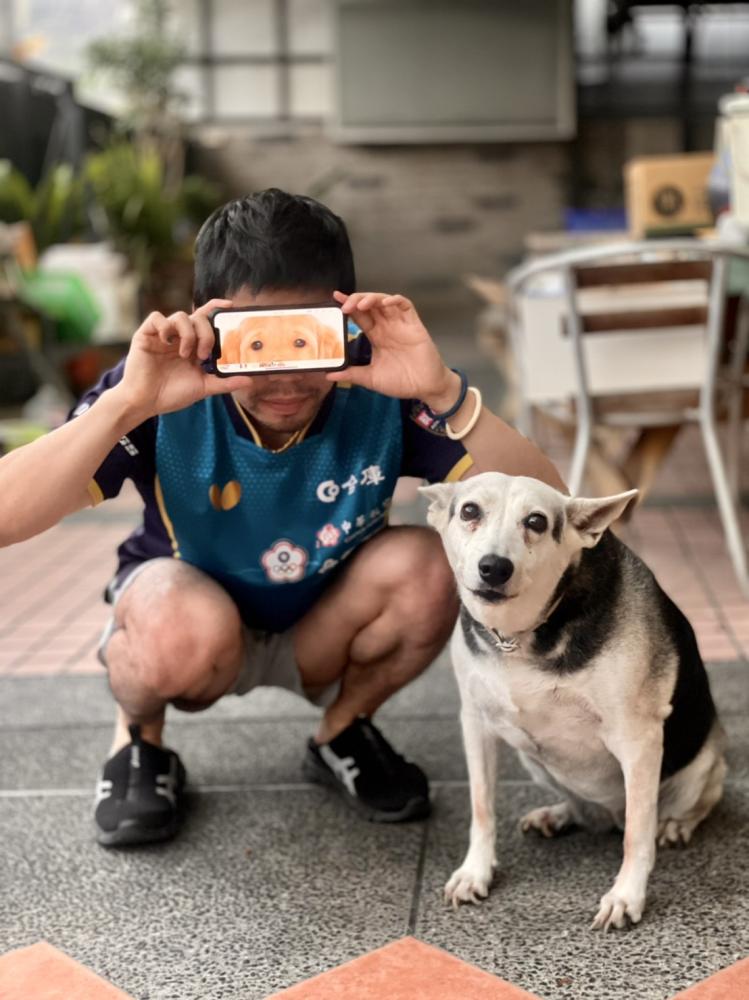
(285, 337)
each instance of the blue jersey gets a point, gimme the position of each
(273, 528)
(270, 526)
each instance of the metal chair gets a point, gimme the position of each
(618, 328)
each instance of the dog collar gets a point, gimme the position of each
(507, 643)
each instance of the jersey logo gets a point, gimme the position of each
(226, 498)
(328, 536)
(329, 490)
(284, 562)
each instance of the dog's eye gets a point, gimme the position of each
(257, 345)
(470, 512)
(537, 523)
(299, 342)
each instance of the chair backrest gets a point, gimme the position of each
(619, 319)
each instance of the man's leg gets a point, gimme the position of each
(178, 639)
(379, 626)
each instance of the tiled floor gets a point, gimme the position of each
(51, 592)
(41, 972)
(405, 969)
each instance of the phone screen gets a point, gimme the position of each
(287, 338)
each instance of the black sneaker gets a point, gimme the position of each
(139, 797)
(369, 774)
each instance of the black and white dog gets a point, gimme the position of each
(569, 650)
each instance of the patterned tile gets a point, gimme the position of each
(405, 970)
(41, 972)
(728, 984)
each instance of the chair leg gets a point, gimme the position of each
(735, 408)
(579, 457)
(646, 456)
(734, 434)
(727, 508)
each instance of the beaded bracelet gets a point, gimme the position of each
(457, 436)
(461, 398)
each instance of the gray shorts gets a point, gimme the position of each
(269, 656)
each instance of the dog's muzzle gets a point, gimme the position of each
(494, 571)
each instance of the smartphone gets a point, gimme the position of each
(256, 340)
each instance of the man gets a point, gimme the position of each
(264, 556)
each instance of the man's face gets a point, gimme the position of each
(282, 403)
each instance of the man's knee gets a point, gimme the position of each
(422, 566)
(176, 643)
(421, 586)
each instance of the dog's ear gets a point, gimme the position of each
(591, 517)
(439, 496)
(330, 343)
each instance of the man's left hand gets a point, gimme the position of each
(405, 361)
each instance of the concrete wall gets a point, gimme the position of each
(419, 217)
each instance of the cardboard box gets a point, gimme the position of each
(667, 195)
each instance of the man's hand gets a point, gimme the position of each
(162, 371)
(405, 362)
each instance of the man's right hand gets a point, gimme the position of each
(163, 367)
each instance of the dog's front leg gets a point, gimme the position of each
(470, 882)
(640, 754)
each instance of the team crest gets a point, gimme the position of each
(284, 562)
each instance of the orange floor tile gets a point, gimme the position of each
(405, 970)
(41, 972)
(728, 984)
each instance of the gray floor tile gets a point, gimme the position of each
(225, 752)
(238, 907)
(70, 700)
(260, 740)
(81, 700)
(319, 886)
(533, 928)
(84, 700)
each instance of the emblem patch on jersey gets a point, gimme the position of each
(328, 536)
(226, 498)
(284, 562)
(422, 415)
(329, 490)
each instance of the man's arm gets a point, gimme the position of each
(48, 479)
(493, 445)
(44, 481)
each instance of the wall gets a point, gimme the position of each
(419, 217)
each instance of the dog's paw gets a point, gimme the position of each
(468, 885)
(674, 832)
(618, 909)
(548, 820)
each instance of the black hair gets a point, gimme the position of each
(271, 240)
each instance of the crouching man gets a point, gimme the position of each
(264, 556)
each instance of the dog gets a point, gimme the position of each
(264, 340)
(567, 648)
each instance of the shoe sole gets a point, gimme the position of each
(412, 810)
(129, 834)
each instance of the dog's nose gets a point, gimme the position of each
(495, 570)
